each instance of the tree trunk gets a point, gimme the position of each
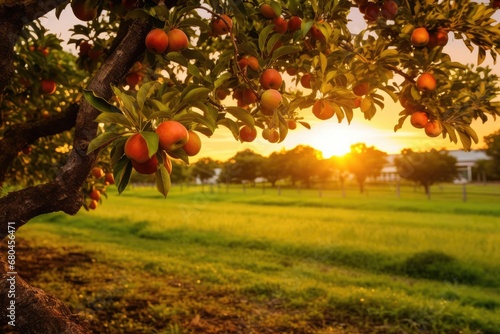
(33, 311)
(427, 189)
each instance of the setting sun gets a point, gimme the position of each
(336, 139)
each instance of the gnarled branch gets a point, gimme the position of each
(21, 135)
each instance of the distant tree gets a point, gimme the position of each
(301, 163)
(492, 167)
(180, 172)
(426, 168)
(246, 166)
(227, 172)
(273, 167)
(485, 169)
(204, 169)
(323, 170)
(363, 162)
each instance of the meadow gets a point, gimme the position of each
(254, 260)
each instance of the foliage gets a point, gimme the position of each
(426, 168)
(273, 167)
(244, 166)
(204, 169)
(301, 164)
(364, 161)
(38, 56)
(492, 166)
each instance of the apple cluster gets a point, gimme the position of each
(172, 135)
(268, 97)
(419, 118)
(160, 41)
(94, 191)
(425, 83)
(421, 37)
(372, 10)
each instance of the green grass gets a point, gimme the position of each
(295, 263)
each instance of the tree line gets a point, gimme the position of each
(305, 166)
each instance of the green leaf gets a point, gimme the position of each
(146, 91)
(128, 103)
(193, 21)
(59, 10)
(114, 118)
(271, 44)
(179, 153)
(471, 133)
(192, 117)
(152, 140)
(323, 62)
(481, 55)
(118, 150)
(400, 123)
(263, 36)
(276, 6)
(242, 115)
(283, 127)
(285, 50)
(178, 58)
(99, 103)
(195, 94)
(163, 182)
(465, 139)
(122, 172)
(305, 124)
(102, 140)
(349, 113)
(231, 125)
(450, 130)
(222, 78)
(194, 71)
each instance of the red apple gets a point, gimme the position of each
(173, 135)
(177, 40)
(247, 134)
(193, 146)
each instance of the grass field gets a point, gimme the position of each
(248, 261)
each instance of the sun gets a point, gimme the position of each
(336, 139)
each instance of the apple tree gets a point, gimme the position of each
(426, 168)
(155, 78)
(493, 151)
(363, 162)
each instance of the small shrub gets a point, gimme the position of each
(436, 265)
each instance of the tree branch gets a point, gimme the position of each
(22, 135)
(63, 193)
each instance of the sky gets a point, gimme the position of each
(330, 137)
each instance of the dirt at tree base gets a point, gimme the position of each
(103, 294)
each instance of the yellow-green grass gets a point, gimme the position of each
(377, 263)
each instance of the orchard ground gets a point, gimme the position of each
(255, 260)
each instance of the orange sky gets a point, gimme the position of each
(329, 136)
